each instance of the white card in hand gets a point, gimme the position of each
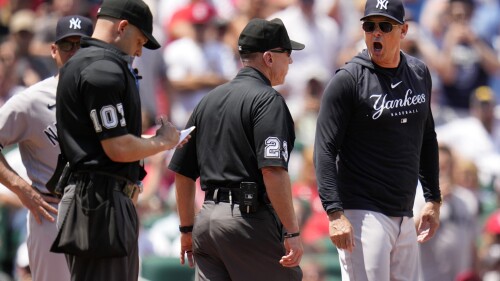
(185, 133)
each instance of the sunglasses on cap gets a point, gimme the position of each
(67, 46)
(289, 52)
(384, 26)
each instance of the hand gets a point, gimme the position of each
(341, 231)
(187, 248)
(458, 33)
(294, 251)
(168, 133)
(37, 204)
(428, 223)
(469, 35)
(183, 142)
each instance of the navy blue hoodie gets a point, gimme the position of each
(375, 138)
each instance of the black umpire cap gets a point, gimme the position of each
(260, 35)
(74, 25)
(136, 12)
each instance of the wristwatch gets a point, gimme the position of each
(186, 229)
(291, 235)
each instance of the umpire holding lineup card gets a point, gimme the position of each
(99, 126)
(247, 229)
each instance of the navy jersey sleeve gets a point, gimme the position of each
(334, 116)
(429, 156)
(274, 135)
(104, 86)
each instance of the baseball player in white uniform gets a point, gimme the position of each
(29, 120)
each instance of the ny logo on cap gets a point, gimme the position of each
(382, 4)
(74, 23)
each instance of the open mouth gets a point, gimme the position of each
(377, 46)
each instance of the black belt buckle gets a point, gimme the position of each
(249, 197)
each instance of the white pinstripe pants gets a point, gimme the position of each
(386, 248)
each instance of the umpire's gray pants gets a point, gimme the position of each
(230, 246)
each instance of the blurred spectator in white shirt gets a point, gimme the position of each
(197, 60)
(476, 137)
(320, 33)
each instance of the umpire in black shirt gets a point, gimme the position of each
(99, 127)
(247, 228)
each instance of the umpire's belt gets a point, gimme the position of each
(223, 194)
(127, 187)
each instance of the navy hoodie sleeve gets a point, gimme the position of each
(335, 112)
(429, 157)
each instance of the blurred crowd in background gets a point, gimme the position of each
(458, 39)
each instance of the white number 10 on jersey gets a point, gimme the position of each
(108, 117)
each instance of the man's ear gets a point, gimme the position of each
(122, 25)
(53, 50)
(268, 58)
(404, 30)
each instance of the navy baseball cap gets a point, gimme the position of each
(392, 9)
(74, 25)
(136, 12)
(260, 35)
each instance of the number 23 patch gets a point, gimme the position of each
(275, 149)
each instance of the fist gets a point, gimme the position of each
(168, 133)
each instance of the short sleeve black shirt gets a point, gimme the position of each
(241, 127)
(97, 99)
